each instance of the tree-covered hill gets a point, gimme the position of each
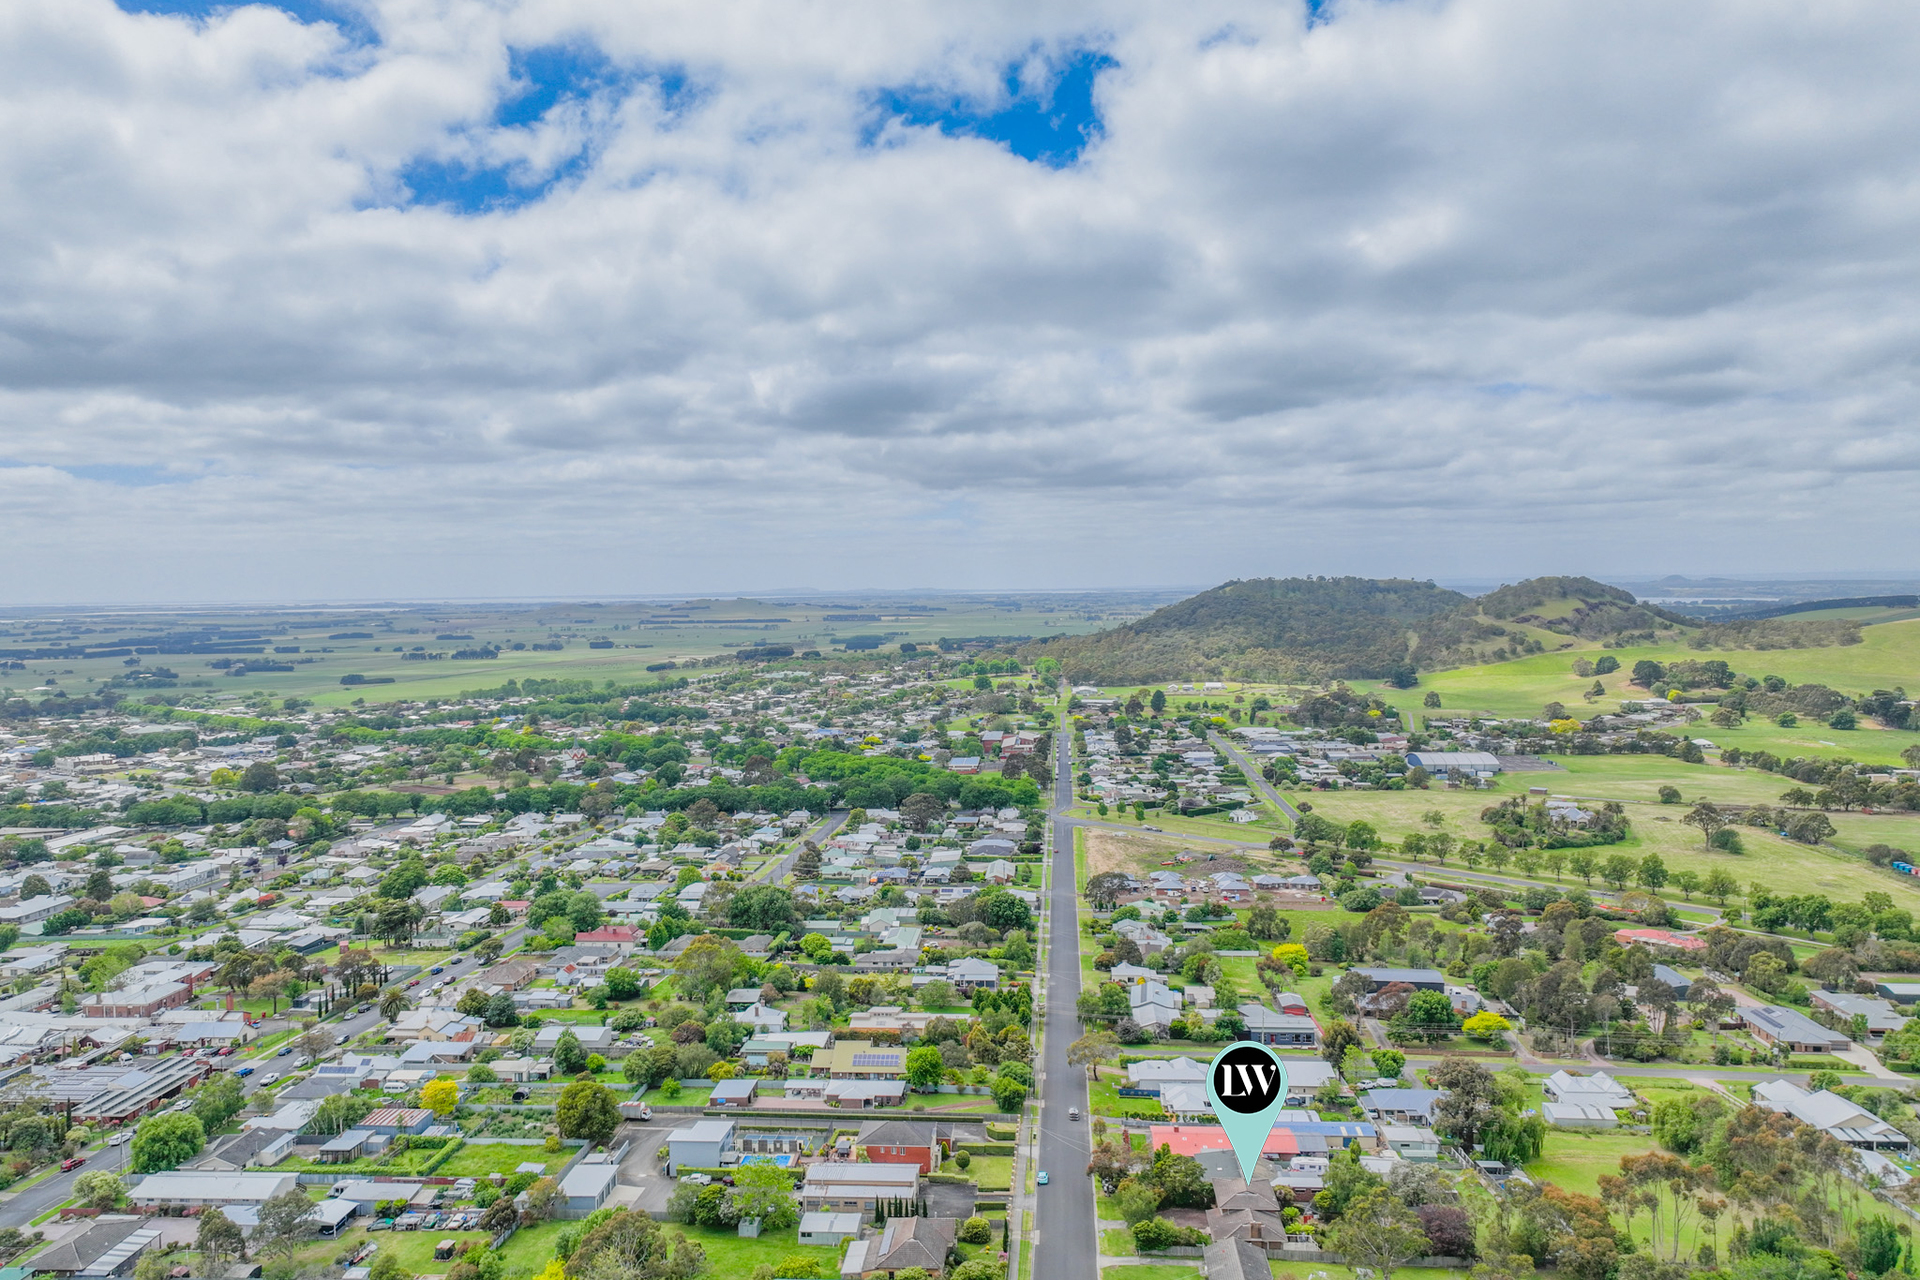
(1576, 607)
(1316, 629)
(1274, 629)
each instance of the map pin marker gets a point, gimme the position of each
(1247, 1087)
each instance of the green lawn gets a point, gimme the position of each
(1157, 1271)
(729, 1255)
(1117, 1242)
(1574, 1161)
(991, 1173)
(478, 1159)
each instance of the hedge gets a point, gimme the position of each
(985, 1148)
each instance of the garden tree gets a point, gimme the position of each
(340, 1113)
(1378, 1231)
(764, 1192)
(394, 1003)
(709, 964)
(1469, 1103)
(921, 810)
(1835, 968)
(569, 1056)
(1092, 1049)
(1009, 1095)
(540, 1197)
(1487, 1026)
(1617, 870)
(219, 1238)
(763, 908)
(440, 1096)
(1428, 1016)
(1583, 864)
(500, 1011)
(940, 994)
(1103, 890)
(218, 1101)
(99, 1189)
(587, 1110)
(924, 1067)
(632, 1246)
(623, 983)
(1682, 1124)
(1878, 1242)
(473, 1002)
(287, 1221)
(167, 1141)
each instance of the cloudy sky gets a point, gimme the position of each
(530, 297)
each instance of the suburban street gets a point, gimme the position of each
(1064, 1246)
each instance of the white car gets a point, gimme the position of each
(120, 1139)
(269, 1078)
(697, 1179)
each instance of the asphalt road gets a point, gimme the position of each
(1064, 1245)
(1251, 767)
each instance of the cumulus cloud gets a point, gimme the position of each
(425, 296)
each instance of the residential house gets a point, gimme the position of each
(1578, 1115)
(1150, 1076)
(107, 1246)
(1411, 1142)
(1379, 979)
(701, 1145)
(1293, 1030)
(863, 1060)
(904, 1244)
(1777, 1024)
(1832, 1115)
(1401, 1106)
(914, 1142)
(858, 1188)
(1597, 1089)
(186, 1190)
(585, 1188)
(829, 1228)
(1236, 1258)
(1153, 1005)
(1881, 1015)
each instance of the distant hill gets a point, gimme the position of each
(1269, 629)
(1577, 607)
(1318, 629)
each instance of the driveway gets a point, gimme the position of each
(641, 1168)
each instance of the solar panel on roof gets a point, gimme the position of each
(876, 1059)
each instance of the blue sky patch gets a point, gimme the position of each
(1048, 124)
(342, 13)
(542, 78)
(126, 475)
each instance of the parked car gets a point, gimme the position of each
(1073, 1113)
(244, 1072)
(285, 1049)
(1042, 1179)
(120, 1139)
(437, 969)
(697, 1179)
(269, 1078)
(342, 1038)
